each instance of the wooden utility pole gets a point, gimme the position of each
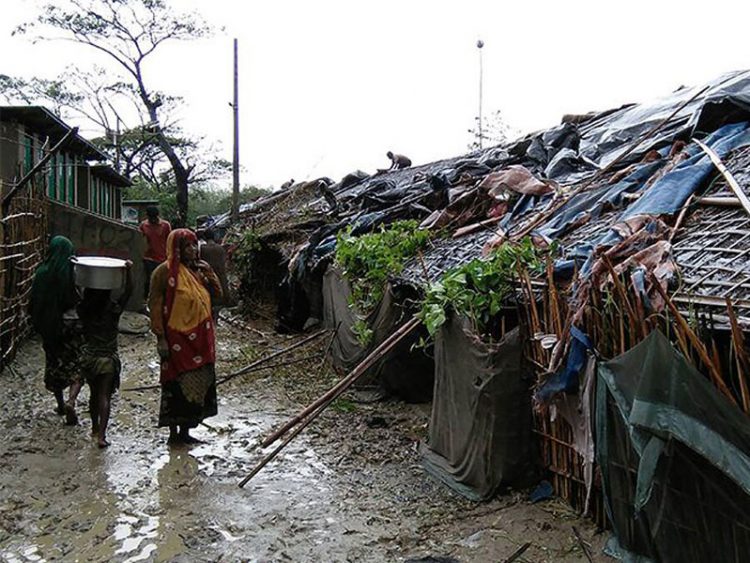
(236, 151)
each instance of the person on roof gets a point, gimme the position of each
(398, 161)
(288, 184)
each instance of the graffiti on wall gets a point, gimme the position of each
(97, 236)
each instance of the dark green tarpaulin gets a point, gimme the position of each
(404, 372)
(675, 458)
(480, 430)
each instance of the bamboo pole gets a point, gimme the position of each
(731, 182)
(680, 218)
(256, 365)
(325, 399)
(264, 359)
(709, 201)
(518, 553)
(307, 415)
(270, 456)
(620, 289)
(695, 342)
(738, 341)
(254, 369)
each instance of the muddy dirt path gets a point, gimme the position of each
(345, 490)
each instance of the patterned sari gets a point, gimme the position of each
(187, 375)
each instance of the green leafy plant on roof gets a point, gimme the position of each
(479, 289)
(369, 260)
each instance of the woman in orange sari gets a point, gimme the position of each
(180, 307)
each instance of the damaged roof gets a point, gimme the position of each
(587, 184)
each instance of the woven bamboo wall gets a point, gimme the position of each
(23, 232)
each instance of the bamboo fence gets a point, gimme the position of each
(23, 232)
(615, 318)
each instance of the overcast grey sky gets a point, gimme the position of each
(329, 86)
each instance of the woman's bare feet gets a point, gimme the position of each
(60, 410)
(186, 438)
(175, 438)
(71, 418)
(103, 443)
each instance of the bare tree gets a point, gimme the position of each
(129, 32)
(494, 131)
(129, 139)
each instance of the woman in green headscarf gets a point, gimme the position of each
(53, 293)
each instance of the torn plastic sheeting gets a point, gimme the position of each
(403, 372)
(603, 140)
(670, 192)
(515, 178)
(616, 235)
(567, 166)
(566, 380)
(592, 202)
(547, 144)
(524, 204)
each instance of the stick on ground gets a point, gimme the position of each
(347, 381)
(311, 412)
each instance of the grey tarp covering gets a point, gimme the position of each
(480, 430)
(346, 349)
(727, 100)
(401, 372)
(674, 456)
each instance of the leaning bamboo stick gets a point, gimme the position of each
(620, 289)
(695, 342)
(709, 201)
(305, 417)
(554, 302)
(270, 456)
(731, 182)
(738, 341)
(251, 370)
(264, 359)
(383, 348)
(254, 366)
(680, 218)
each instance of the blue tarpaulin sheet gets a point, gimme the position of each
(566, 380)
(669, 194)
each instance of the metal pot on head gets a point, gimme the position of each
(98, 272)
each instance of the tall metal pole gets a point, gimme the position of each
(236, 151)
(480, 44)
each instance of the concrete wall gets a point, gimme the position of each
(94, 235)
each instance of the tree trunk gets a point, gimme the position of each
(181, 172)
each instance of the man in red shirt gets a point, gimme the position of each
(155, 230)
